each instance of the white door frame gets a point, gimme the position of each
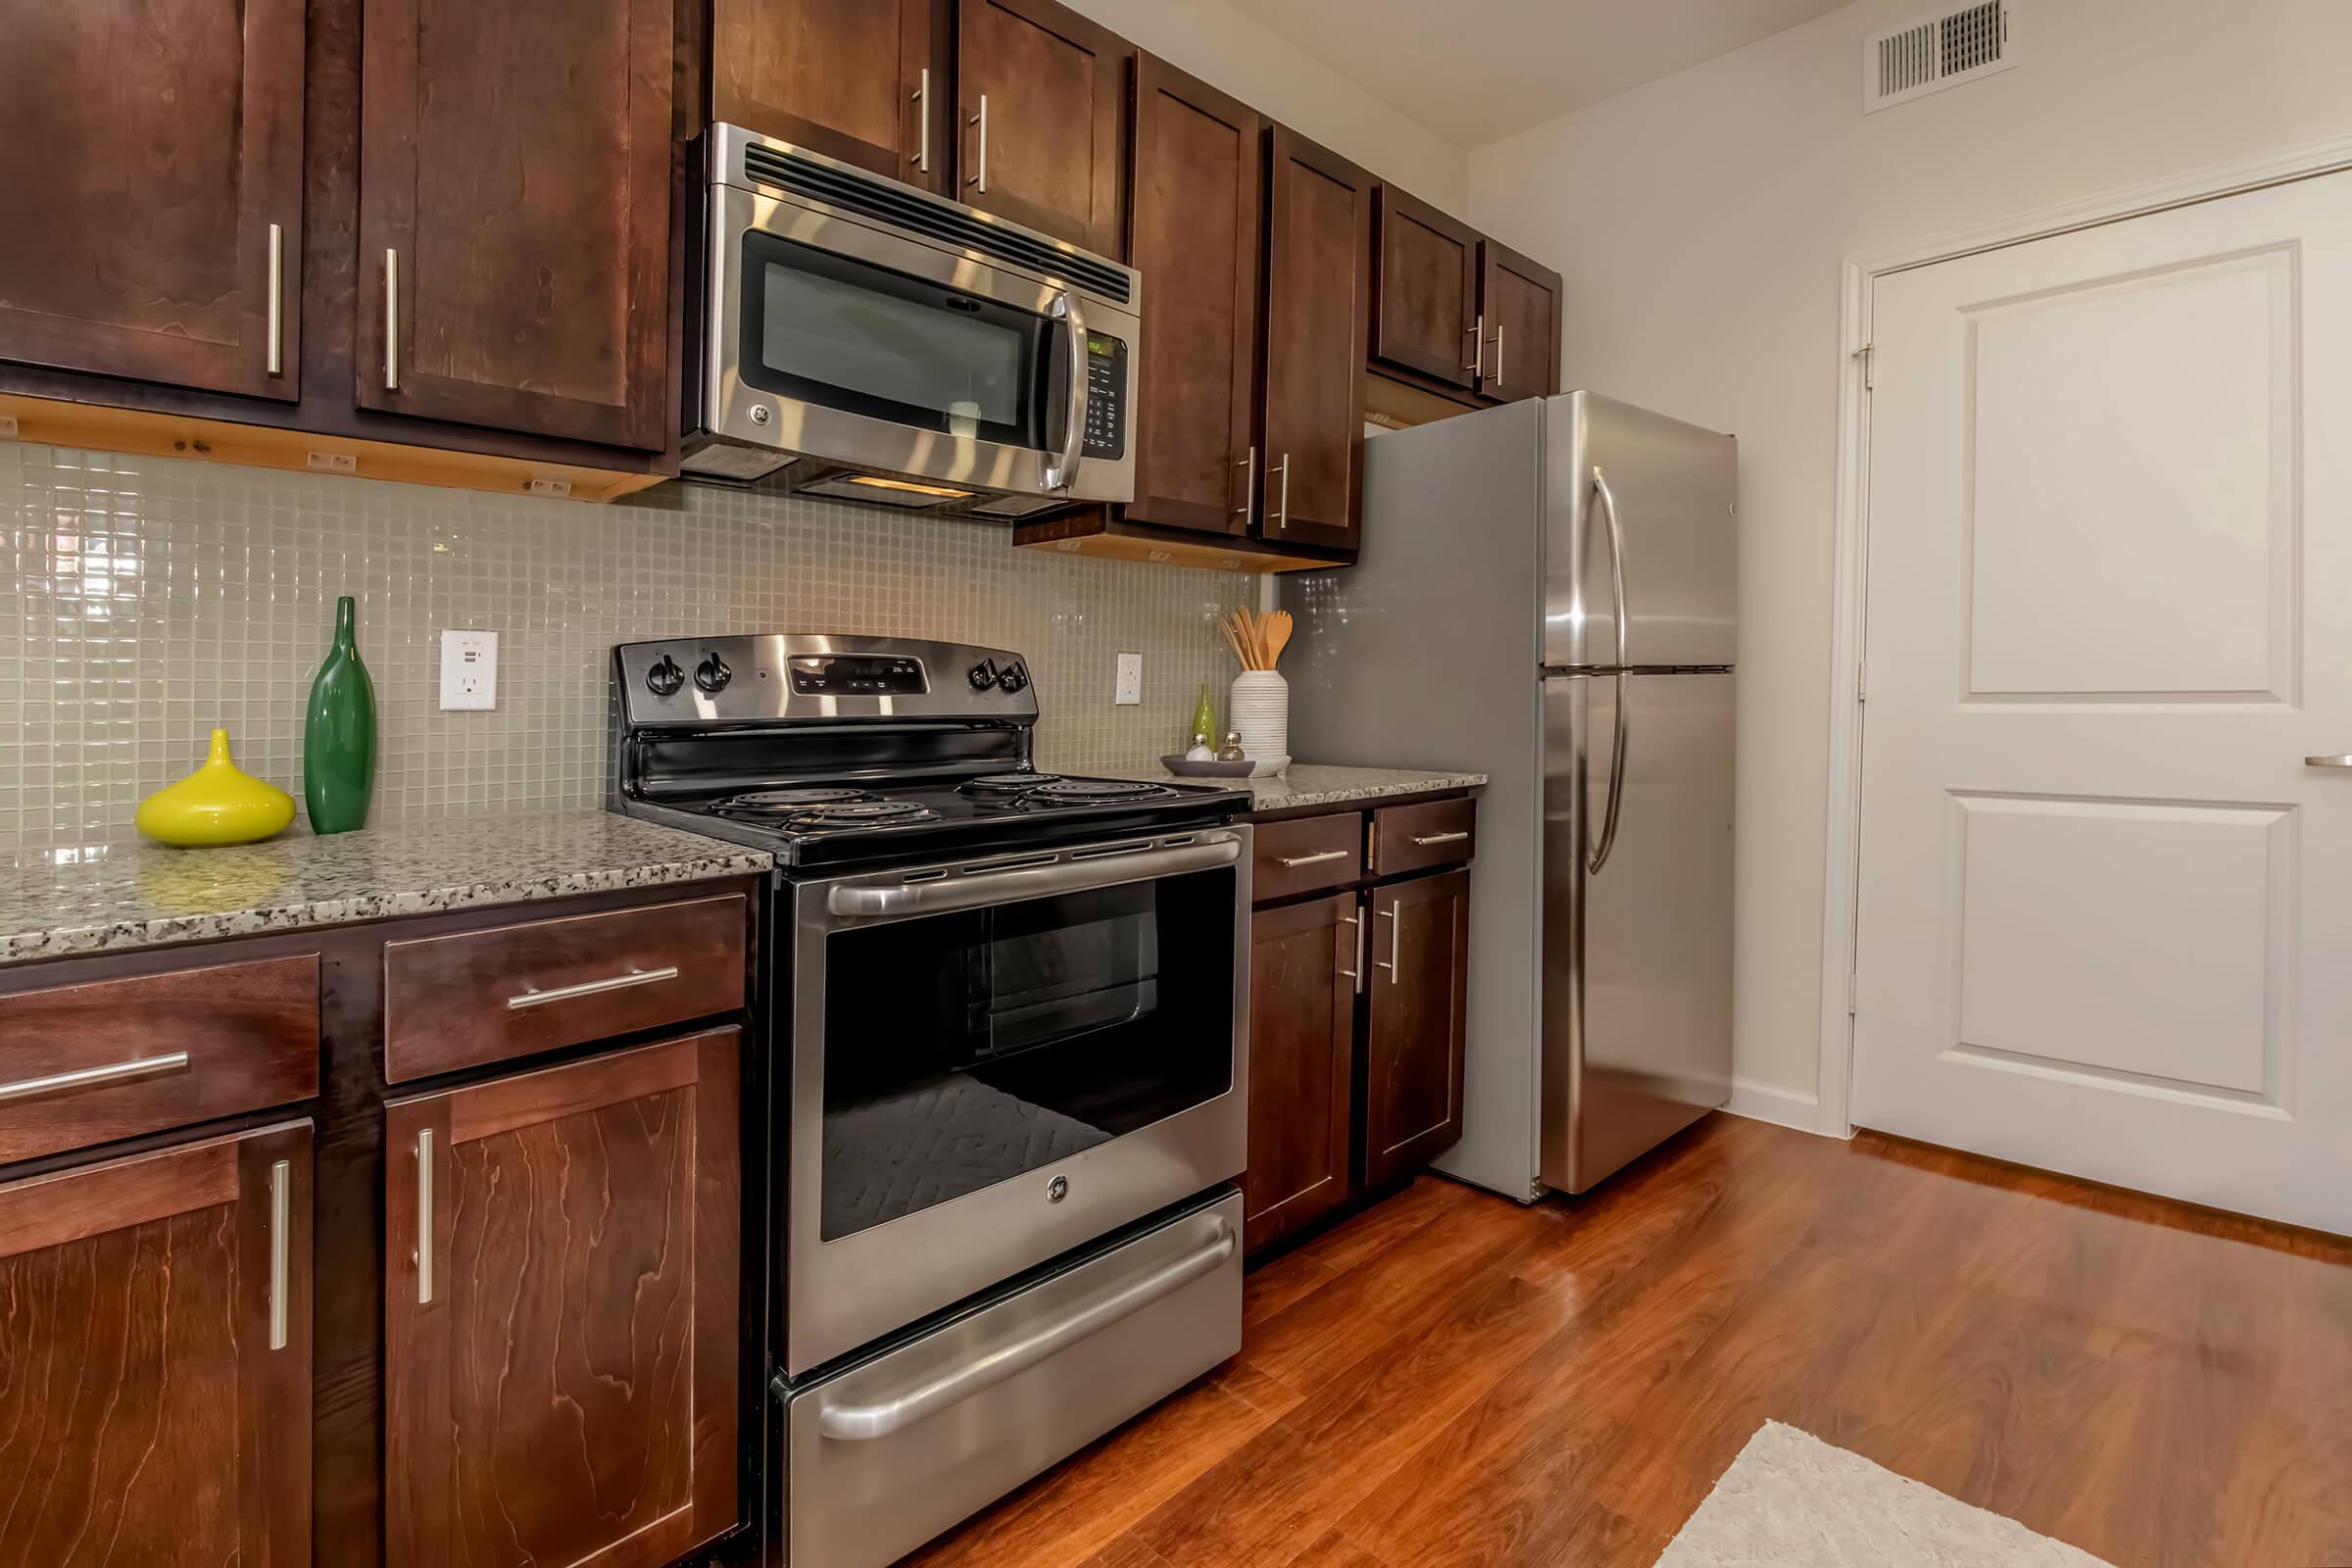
(1841, 880)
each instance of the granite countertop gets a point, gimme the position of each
(147, 895)
(1312, 784)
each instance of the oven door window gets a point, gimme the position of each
(970, 1049)
(831, 330)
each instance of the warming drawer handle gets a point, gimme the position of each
(535, 997)
(859, 1423)
(1071, 874)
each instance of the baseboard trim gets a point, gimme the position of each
(1782, 1108)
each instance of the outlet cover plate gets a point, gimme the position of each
(469, 669)
(1130, 681)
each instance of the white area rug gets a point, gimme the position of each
(1791, 1501)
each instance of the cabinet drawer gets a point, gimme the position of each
(90, 1063)
(1306, 856)
(1409, 838)
(487, 995)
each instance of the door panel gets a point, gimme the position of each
(561, 1351)
(1049, 149)
(842, 77)
(2101, 923)
(1638, 954)
(1417, 1003)
(1303, 963)
(1196, 160)
(1425, 289)
(1318, 305)
(155, 1411)
(528, 210)
(145, 152)
(1519, 304)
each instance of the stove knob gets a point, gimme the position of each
(1012, 677)
(712, 675)
(666, 678)
(983, 675)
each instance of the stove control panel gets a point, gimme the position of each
(818, 678)
(856, 675)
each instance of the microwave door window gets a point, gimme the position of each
(829, 331)
(966, 1049)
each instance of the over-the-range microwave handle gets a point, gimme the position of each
(1061, 471)
(1062, 871)
(856, 1423)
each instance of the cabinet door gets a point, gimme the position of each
(1423, 289)
(1519, 301)
(861, 80)
(1420, 937)
(1318, 300)
(1197, 173)
(514, 215)
(1041, 121)
(156, 1407)
(151, 178)
(559, 1350)
(1302, 969)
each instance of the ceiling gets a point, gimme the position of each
(1474, 70)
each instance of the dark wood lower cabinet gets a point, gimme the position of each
(1415, 1035)
(559, 1362)
(155, 1358)
(1302, 969)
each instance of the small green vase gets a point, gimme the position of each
(338, 734)
(1205, 718)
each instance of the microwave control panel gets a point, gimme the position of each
(1105, 397)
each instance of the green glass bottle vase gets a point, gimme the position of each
(338, 733)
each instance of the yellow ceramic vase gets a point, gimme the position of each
(217, 804)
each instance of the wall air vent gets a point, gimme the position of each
(1904, 63)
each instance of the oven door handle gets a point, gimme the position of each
(1061, 471)
(1074, 871)
(857, 1423)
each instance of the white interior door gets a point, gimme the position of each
(2106, 904)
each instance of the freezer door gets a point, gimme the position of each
(1674, 488)
(1637, 952)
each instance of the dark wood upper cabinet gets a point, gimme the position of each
(151, 178)
(861, 80)
(1302, 968)
(1419, 939)
(1196, 240)
(560, 1361)
(1318, 300)
(157, 1404)
(515, 217)
(1423, 289)
(1041, 121)
(1519, 300)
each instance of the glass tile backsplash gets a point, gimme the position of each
(145, 600)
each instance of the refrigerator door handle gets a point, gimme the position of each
(1598, 856)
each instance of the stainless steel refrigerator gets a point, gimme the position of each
(1548, 594)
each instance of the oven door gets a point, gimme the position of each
(851, 343)
(995, 1061)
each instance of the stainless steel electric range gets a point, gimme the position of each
(1003, 1085)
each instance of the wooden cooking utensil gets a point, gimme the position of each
(1277, 636)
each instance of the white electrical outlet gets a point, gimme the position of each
(1130, 681)
(469, 669)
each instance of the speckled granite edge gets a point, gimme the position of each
(146, 895)
(1309, 784)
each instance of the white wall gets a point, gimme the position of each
(1229, 50)
(1700, 221)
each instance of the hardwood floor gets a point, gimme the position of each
(1452, 1379)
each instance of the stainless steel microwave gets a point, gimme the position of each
(859, 338)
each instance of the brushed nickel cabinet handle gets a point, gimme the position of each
(281, 1209)
(1282, 502)
(391, 321)
(1396, 938)
(1478, 352)
(1355, 950)
(1249, 467)
(1497, 376)
(2328, 761)
(113, 1072)
(979, 178)
(533, 997)
(424, 1255)
(1316, 858)
(277, 285)
(923, 123)
(1427, 839)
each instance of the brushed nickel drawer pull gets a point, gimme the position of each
(535, 997)
(278, 286)
(1427, 839)
(281, 1209)
(113, 1072)
(391, 320)
(424, 1255)
(1295, 861)
(1396, 937)
(2328, 761)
